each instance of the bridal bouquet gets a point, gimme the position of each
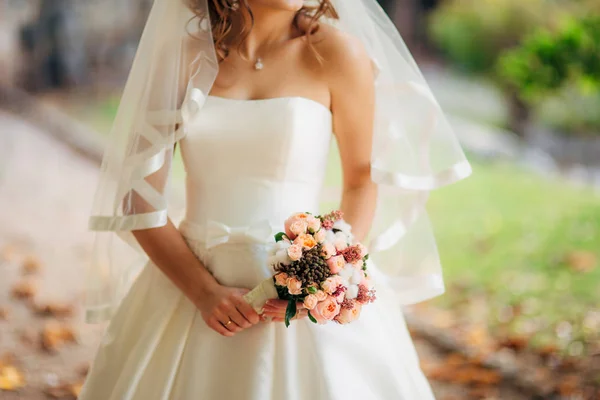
(316, 264)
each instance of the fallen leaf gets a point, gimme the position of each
(11, 378)
(24, 290)
(31, 264)
(3, 313)
(569, 385)
(54, 309)
(581, 261)
(514, 342)
(55, 335)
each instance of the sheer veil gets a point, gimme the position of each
(414, 151)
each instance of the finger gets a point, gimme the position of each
(224, 317)
(247, 311)
(238, 318)
(277, 303)
(273, 314)
(220, 329)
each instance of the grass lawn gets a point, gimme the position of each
(527, 245)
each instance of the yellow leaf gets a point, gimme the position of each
(11, 378)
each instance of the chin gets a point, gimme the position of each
(289, 5)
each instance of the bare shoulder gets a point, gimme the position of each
(342, 53)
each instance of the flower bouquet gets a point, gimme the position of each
(316, 263)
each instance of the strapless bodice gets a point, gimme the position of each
(248, 161)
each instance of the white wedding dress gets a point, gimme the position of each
(250, 164)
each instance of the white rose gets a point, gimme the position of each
(347, 271)
(282, 257)
(357, 276)
(282, 244)
(342, 226)
(330, 236)
(352, 292)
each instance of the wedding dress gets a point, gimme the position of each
(249, 165)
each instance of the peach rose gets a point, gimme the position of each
(331, 284)
(320, 235)
(310, 301)
(326, 310)
(366, 282)
(336, 264)
(299, 221)
(321, 295)
(328, 250)
(305, 240)
(314, 224)
(348, 315)
(281, 279)
(294, 252)
(294, 286)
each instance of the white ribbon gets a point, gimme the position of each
(218, 233)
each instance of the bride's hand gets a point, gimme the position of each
(225, 310)
(275, 310)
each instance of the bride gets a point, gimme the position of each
(252, 93)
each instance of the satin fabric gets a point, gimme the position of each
(246, 164)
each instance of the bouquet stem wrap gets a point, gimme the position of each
(258, 296)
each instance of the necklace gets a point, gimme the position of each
(259, 64)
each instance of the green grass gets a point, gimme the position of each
(505, 233)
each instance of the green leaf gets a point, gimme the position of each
(290, 312)
(311, 289)
(365, 258)
(279, 236)
(311, 318)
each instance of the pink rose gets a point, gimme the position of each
(326, 310)
(363, 250)
(314, 224)
(366, 282)
(320, 235)
(299, 223)
(331, 284)
(348, 315)
(321, 295)
(328, 250)
(310, 301)
(340, 244)
(305, 240)
(294, 286)
(336, 264)
(281, 279)
(294, 252)
(340, 297)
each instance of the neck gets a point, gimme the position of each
(271, 27)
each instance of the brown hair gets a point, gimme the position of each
(223, 12)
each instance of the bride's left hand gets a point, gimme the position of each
(275, 310)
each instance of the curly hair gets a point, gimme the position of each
(222, 14)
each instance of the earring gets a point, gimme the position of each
(235, 5)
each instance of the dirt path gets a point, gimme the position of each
(45, 196)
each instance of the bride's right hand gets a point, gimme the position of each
(225, 310)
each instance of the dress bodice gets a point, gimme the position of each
(248, 161)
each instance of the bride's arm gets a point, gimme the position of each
(168, 250)
(353, 106)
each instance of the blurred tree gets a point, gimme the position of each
(54, 47)
(552, 64)
(473, 34)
